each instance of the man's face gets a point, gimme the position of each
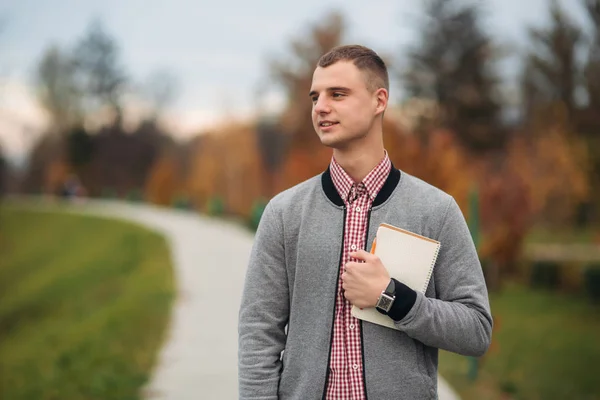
(344, 109)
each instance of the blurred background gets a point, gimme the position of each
(203, 106)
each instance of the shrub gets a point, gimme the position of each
(592, 282)
(545, 274)
(256, 213)
(135, 196)
(182, 202)
(109, 193)
(570, 277)
(215, 206)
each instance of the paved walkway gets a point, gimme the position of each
(199, 358)
(556, 252)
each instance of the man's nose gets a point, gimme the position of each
(322, 106)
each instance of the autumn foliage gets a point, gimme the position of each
(449, 133)
(163, 181)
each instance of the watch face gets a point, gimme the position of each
(385, 302)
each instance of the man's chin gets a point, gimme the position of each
(329, 142)
(333, 143)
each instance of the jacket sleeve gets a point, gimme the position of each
(459, 319)
(264, 312)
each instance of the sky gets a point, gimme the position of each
(218, 50)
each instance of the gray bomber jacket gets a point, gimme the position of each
(287, 306)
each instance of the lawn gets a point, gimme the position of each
(545, 346)
(84, 305)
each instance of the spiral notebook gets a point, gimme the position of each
(408, 257)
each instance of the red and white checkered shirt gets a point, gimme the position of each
(346, 368)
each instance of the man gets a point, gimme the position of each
(297, 337)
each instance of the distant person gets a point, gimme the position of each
(309, 264)
(72, 188)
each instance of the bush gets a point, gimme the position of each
(545, 274)
(255, 215)
(135, 196)
(508, 387)
(215, 206)
(109, 193)
(571, 277)
(592, 282)
(182, 203)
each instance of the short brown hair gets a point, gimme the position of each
(365, 59)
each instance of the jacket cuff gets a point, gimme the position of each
(404, 302)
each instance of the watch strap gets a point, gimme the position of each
(404, 302)
(390, 290)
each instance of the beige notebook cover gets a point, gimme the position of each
(408, 257)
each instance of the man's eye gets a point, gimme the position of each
(338, 94)
(314, 99)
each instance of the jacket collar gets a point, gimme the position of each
(384, 193)
(373, 181)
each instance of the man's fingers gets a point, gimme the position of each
(352, 264)
(349, 296)
(363, 255)
(360, 254)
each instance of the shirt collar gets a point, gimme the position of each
(372, 182)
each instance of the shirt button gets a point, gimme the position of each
(355, 367)
(353, 247)
(351, 326)
(357, 209)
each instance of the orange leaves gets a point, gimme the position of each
(303, 163)
(163, 181)
(542, 176)
(437, 159)
(554, 166)
(226, 165)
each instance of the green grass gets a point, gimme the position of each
(84, 305)
(545, 346)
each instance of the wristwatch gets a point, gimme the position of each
(386, 300)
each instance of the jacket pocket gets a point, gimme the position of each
(422, 361)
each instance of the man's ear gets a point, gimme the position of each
(382, 98)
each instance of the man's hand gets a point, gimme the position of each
(364, 281)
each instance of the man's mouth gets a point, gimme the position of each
(325, 124)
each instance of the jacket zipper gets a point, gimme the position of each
(337, 283)
(362, 344)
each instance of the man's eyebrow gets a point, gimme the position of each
(338, 89)
(331, 89)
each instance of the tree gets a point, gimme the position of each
(99, 73)
(80, 147)
(46, 150)
(589, 121)
(272, 143)
(160, 91)
(3, 174)
(453, 65)
(79, 84)
(295, 73)
(553, 76)
(58, 92)
(163, 181)
(551, 71)
(592, 68)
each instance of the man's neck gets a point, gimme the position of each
(358, 164)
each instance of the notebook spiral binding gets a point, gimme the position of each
(437, 251)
